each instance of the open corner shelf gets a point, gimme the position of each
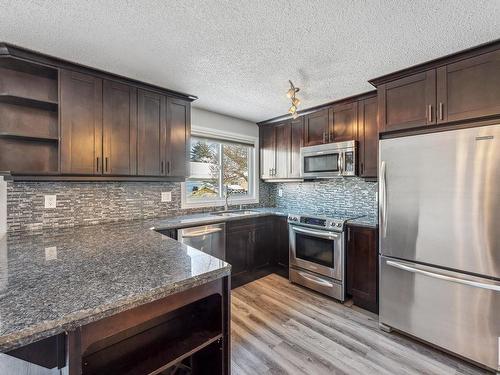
(29, 102)
(27, 67)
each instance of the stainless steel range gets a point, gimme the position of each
(317, 252)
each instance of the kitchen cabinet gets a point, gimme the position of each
(343, 122)
(119, 129)
(408, 102)
(469, 88)
(63, 121)
(81, 123)
(151, 111)
(317, 128)
(297, 141)
(368, 137)
(239, 246)
(282, 241)
(267, 151)
(362, 266)
(176, 141)
(280, 149)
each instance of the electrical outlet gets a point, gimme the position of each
(51, 253)
(50, 201)
(166, 196)
(280, 192)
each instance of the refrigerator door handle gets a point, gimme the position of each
(494, 287)
(383, 199)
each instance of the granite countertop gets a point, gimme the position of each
(56, 280)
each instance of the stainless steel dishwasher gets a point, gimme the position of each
(210, 239)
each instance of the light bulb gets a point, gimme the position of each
(295, 115)
(296, 101)
(292, 109)
(290, 93)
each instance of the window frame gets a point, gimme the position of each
(253, 169)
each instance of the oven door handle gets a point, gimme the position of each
(317, 233)
(315, 279)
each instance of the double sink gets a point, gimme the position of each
(233, 213)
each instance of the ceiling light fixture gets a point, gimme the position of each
(295, 101)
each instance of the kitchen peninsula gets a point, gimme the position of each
(114, 298)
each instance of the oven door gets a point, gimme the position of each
(319, 251)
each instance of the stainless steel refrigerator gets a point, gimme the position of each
(439, 207)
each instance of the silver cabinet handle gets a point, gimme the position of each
(494, 287)
(440, 110)
(341, 163)
(316, 233)
(383, 199)
(429, 113)
(315, 279)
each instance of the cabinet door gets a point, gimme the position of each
(368, 138)
(283, 139)
(81, 123)
(470, 88)
(119, 129)
(343, 121)
(316, 128)
(281, 231)
(150, 124)
(362, 267)
(408, 102)
(263, 243)
(297, 141)
(176, 143)
(237, 249)
(267, 151)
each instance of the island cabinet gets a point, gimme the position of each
(188, 329)
(280, 145)
(62, 121)
(362, 266)
(460, 87)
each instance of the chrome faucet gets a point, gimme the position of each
(226, 196)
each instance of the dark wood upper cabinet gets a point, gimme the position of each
(178, 130)
(151, 123)
(267, 151)
(81, 123)
(408, 102)
(368, 137)
(362, 267)
(283, 143)
(469, 88)
(343, 122)
(297, 141)
(316, 128)
(119, 129)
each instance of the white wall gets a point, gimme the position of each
(207, 119)
(3, 206)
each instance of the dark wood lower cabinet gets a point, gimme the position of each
(362, 266)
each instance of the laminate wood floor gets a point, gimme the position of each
(282, 328)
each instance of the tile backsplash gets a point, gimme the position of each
(86, 203)
(352, 195)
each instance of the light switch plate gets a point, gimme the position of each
(280, 192)
(51, 253)
(50, 201)
(166, 196)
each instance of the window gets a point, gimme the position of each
(218, 166)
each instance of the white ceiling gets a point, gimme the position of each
(237, 56)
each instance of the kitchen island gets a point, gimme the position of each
(114, 298)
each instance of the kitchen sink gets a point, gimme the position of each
(230, 213)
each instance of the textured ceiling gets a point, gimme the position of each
(237, 56)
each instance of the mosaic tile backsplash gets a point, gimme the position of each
(81, 203)
(351, 194)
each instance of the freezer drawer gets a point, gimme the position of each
(457, 312)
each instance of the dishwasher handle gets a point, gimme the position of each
(201, 233)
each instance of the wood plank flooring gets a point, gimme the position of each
(282, 328)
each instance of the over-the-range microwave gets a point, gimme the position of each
(328, 160)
